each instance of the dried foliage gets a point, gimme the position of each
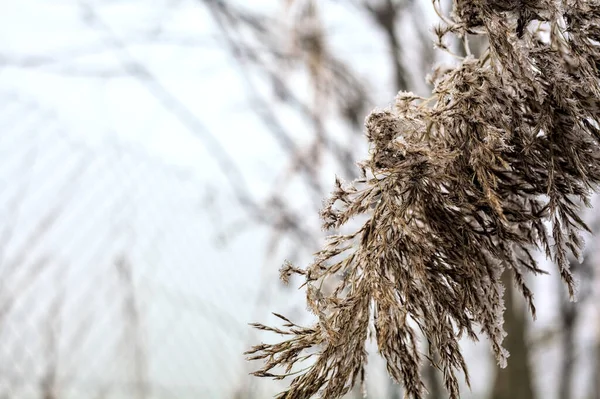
(458, 187)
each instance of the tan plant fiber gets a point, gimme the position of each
(458, 187)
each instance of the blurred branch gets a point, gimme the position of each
(569, 313)
(49, 384)
(349, 91)
(133, 337)
(595, 375)
(171, 103)
(432, 376)
(515, 381)
(385, 13)
(225, 19)
(225, 161)
(94, 49)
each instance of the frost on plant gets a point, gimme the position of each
(457, 189)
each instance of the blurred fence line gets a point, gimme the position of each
(107, 289)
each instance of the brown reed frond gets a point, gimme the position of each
(457, 188)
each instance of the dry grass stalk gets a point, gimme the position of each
(457, 188)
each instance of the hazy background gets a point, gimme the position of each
(160, 159)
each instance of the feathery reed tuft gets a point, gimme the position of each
(457, 189)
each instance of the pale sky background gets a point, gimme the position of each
(92, 158)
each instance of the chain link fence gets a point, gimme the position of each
(110, 283)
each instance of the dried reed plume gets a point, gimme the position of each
(458, 187)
